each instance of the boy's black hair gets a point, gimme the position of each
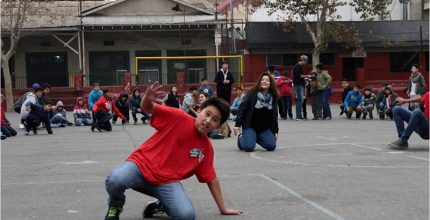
(96, 84)
(320, 66)
(368, 88)
(271, 67)
(220, 104)
(239, 88)
(416, 66)
(192, 88)
(224, 62)
(203, 79)
(38, 89)
(345, 80)
(48, 102)
(357, 85)
(46, 85)
(106, 91)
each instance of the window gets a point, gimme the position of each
(107, 67)
(194, 70)
(275, 59)
(402, 62)
(149, 70)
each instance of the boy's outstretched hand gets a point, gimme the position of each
(151, 95)
(228, 211)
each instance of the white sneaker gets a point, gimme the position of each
(21, 126)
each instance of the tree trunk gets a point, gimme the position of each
(7, 83)
(315, 57)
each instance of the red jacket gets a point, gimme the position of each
(4, 121)
(100, 105)
(284, 86)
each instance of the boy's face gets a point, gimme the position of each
(137, 93)
(108, 95)
(174, 89)
(204, 82)
(225, 66)
(97, 88)
(238, 91)
(356, 89)
(387, 91)
(318, 70)
(367, 92)
(39, 93)
(195, 92)
(47, 107)
(414, 69)
(207, 120)
(345, 84)
(46, 91)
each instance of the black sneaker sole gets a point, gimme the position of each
(395, 147)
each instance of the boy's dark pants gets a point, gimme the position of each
(32, 122)
(135, 112)
(8, 130)
(102, 120)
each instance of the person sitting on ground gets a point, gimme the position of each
(102, 109)
(236, 102)
(59, 117)
(353, 101)
(388, 103)
(258, 116)
(94, 96)
(135, 100)
(172, 99)
(346, 89)
(417, 120)
(31, 98)
(6, 129)
(189, 103)
(368, 103)
(36, 116)
(123, 106)
(81, 114)
(205, 87)
(159, 164)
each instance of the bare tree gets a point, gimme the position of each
(319, 17)
(14, 15)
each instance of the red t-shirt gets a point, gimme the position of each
(425, 101)
(176, 151)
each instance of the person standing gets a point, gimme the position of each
(416, 85)
(95, 94)
(324, 87)
(299, 85)
(258, 116)
(224, 79)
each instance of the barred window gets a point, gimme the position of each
(402, 62)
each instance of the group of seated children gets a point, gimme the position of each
(353, 100)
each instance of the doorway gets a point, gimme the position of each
(47, 68)
(350, 66)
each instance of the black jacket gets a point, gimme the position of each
(221, 87)
(297, 75)
(38, 113)
(172, 100)
(246, 110)
(345, 92)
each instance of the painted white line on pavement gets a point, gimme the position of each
(360, 145)
(299, 196)
(329, 139)
(54, 182)
(420, 158)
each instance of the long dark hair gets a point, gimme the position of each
(273, 89)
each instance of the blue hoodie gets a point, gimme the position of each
(353, 99)
(93, 97)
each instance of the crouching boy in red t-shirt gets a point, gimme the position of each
(179, 149)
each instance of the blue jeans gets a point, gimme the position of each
(172, 196)
(58, 119)
(250, 137)
(416, 120)
(326, 93)
(299, 90)
(83, 121)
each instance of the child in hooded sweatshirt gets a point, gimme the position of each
(102, 109)
(135, 101)
(36, 115)
(6, 129)
(368, 103)
(388, 103)
(81, 114)
(59, 118)
(353, 101)
(123, 106)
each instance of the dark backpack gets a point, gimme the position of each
(18, 103)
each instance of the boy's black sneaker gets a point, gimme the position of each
(93, 126)
(398, 144)
(113, 213)
(143, 121)
(341, 112)
(69, 123)
(3, 137)
(153, 208)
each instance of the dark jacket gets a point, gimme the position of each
(135, 102)
(122, 106)
(345, 93)
(223, 89)
(246, 110)
(41, 115)
(172, 100)
(297, 75)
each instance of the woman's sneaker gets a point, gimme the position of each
(113, 213)
(152, 209)
(399, 144)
